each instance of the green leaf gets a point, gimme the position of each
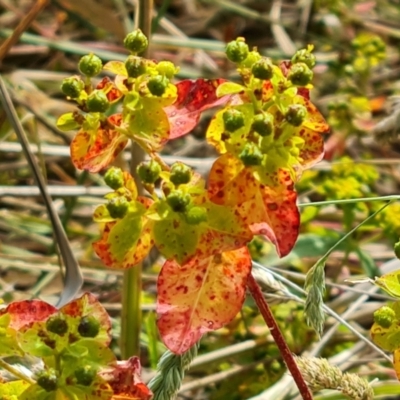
(150, 124)
(12, 390)
(116, 67)
(390, 283)
(229, 88)
(67, 122)
(8, 342)
(175, 238)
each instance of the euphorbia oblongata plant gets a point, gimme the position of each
(266, 132)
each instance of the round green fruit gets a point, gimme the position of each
(135, 66)
(136, 41)
(233, 120)
(300, 74)
(85, 375)
(47, 380)
(178, 200)
(263, 69)
(180, 174)
(114, 178)
(196, 215)
(296, 114)
(384, 317)
(90, 65)
(251, 155)
(57, 324)
(89, 327)
(118, 207)
(72, 86)
(157, 85)
(97, 102)
(263, 124)
(237, 50)
(149, 172)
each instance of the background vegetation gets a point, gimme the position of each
(357, 79)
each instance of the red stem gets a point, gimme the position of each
(269, 319)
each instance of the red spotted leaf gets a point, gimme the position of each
(88, 305)
(23, 313)
(314, 121)
(222, 230)
(268, 210)
(124, 379)
(194, 97)
(126, 242)
(200, 296)
(75, 319)
(273, 213)
(93, 151)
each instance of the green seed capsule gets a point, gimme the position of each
(180, 174)
(118, 207)
(233, 120)
(263, 124)
(237, 50)
(135, 66)
(296, 114)
(251, 155)
(196, 215)
(157, 85)
(384, 317)
(57, 324)
(304, 56)
(167, 68)
(47, 380)
(114, 178)
(178, 200)
(97, 102)
(149, 172)
(89, 327)
(136, 41)
(72, 86)
(90, 65)
(263, 69)
(85, 375)
(300, 74)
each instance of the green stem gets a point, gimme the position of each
(131, 318)
(14, 371)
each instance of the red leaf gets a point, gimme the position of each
(23, 313)
(124, 379)
(112, 93)
(200, 296)
(194, 97)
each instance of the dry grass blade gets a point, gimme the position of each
(73, 276)
(23, 24)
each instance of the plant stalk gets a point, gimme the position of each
(269, 319)
(131, 316)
